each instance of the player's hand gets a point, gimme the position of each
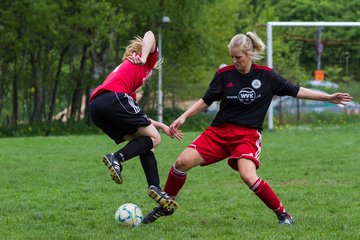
(177, 133)
(340, 98)
(174, 127)
(136, 59)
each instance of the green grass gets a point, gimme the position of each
(58, 188)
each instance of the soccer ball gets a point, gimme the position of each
(129, 215)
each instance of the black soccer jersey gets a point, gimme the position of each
(245, 98)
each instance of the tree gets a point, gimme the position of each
(54, 52)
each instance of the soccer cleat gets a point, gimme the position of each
(164, 200)
(155, 214)
(114, 166)
(285, 219)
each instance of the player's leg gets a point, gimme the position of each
(205, 149)
(137, 145)
(102, 115)
(135, 126)
(149, 164)
(188, 159)
(119, 116)
(247, 171)
(147, 159)
(141, 142)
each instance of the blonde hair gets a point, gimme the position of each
(250, 44)
(135, 46)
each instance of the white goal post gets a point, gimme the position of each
(269, 26)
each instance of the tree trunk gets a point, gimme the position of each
(78, 92)
(56, 84)
(2, 86)
(39, 90)
(15, 98)
(14, 116)
(99, 61)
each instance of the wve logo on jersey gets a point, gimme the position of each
(247, 95)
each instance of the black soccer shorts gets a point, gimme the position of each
(117, 114)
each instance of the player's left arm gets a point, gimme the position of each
(336, 98)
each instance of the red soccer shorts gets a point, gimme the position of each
(228, 141)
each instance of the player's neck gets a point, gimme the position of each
(245, 70)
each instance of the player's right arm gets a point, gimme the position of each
(196, 108)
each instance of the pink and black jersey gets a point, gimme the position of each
(245, 98)
(127, 77)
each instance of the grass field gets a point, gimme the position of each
(58, 188)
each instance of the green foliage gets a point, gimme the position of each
(352, 87)
(334, 73)
(58, 188)
(49, 129)
(193, 51)
(62, 49)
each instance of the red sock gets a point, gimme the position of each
(267, 195)
(175, 181)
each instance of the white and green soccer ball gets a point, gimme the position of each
(129, 215)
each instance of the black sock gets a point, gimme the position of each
(135, 147)
(149, 164)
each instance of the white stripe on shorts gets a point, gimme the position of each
(131, 103)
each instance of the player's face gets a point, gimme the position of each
(240, 59)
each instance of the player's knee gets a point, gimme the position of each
(156, 139)
(248, 178)
(182, 164)
(247, 171)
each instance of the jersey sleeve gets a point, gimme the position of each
(214, 91)
(282, 87)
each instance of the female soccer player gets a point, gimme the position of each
(245, 91)
(113, 108)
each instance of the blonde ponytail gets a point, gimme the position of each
(250, 44)
(257, 42)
